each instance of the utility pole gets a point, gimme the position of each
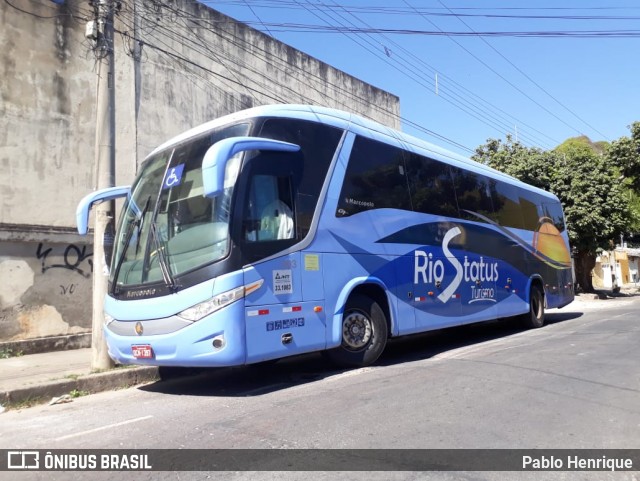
(104, 174)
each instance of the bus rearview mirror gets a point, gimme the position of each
(216, 158)
(84, 206)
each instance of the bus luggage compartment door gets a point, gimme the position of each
(282, 330)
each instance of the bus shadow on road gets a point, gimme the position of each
(429, 344)
(244, 381)
(264, 378)
(558, 317)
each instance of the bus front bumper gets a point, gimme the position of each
(215, 340)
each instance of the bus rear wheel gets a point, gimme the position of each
(535, 317)
(364, 333)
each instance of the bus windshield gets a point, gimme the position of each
(167, 227)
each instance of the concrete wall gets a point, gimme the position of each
(178, 64)
(46, 284)
(47, 98)
(197, 64)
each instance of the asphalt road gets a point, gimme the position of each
(574, 383)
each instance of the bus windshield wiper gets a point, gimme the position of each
(163, 262)
(140, 222)
(134, 226)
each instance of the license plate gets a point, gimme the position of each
(142, 351)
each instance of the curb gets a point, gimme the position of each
(48, 344)
(91, 383)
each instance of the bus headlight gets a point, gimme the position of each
(108, 319)
(214, 304)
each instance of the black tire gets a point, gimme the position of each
(535, 317)
(364, 333)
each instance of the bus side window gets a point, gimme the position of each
(431, 186)
(553, 211)
(529, 202)
(506, 203)
(473, 192)
(269, 215)
(375, 178)
(318, 144)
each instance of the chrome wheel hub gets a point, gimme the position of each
(356, 330)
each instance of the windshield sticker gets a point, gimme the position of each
(282, 282)
(311, 262)
(173, 177)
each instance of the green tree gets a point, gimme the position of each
(625, 153)
(531, 165)
(585, 182)
(599, 148)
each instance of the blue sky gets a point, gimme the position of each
(544, 89)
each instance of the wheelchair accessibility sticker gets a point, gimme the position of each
(173, 177)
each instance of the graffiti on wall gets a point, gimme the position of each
(67, 290)
(74, 258)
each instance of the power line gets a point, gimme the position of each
(256, 15)
(531, 80)
(518, 89)
(174, 57)
(449, 12)
(408, 73)
(491, 117)
(394, 10)
(33, 14)
(180, 13)
(154, 26)
(66, 11)
(330, 29)
(167, 50)
(411, 70)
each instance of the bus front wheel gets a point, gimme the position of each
(364, 333)
(535, 317)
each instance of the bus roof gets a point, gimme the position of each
(356, 124)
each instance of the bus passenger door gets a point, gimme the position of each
(278, 322)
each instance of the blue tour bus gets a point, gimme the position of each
(287, 229)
